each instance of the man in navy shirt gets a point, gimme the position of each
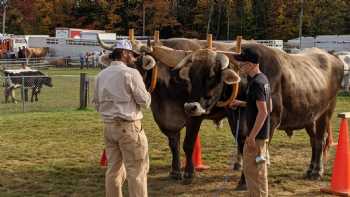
(258, 107)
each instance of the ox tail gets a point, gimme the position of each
(329, 143)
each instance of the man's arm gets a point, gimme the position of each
(260, 118)
(237, 103)
(140, 94)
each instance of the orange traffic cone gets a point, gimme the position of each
(340, 182)
(103, 160)
(197, 156)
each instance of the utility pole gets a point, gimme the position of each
(143, 18)
(4, 7)
(301, 22)
(211, 4)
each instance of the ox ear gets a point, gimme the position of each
(230, 77)
(184, 73)
(222, 60)
(148, 62)
(104, 60)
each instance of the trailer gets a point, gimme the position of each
(68, 47)
(62, 47)
(326, 42)
(75, 33)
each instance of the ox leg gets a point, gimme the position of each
(192, 128)
(33, 93)
(322, 125)
(13, 95)
(232, 120)
(37, 91)
(174, 144)
(311, 130)
(6, 94)
(346, 82)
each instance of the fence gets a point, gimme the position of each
(44, 62)
(62, 96)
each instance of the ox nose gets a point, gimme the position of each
(190, 107)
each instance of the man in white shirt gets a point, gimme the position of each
(119, 95)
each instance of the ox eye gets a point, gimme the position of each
(211, 82)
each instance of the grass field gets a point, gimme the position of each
(56, 152)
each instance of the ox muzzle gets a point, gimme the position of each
(194, 109)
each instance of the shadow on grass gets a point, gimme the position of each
(53, 181)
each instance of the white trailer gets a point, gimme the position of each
(61, 47)
(326, 42)
(93, 36)
(64, 32)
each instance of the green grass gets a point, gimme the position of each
(56, 152)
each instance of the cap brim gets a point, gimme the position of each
(240, 58)
(135, 52)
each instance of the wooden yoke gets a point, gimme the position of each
(235, 86)
(238, 44)
(210, 41)
(155, 68)
(131, 35)
(156, 37)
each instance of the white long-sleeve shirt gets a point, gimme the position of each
(120, 92)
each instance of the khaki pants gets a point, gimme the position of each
(127, 154)
(256, 174)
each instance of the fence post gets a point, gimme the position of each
(83, 91)
(23, 95)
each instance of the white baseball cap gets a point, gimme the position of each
(125, 45)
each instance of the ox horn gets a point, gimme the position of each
(223, 60)
(183, 62)
(103, 44)
(168, 56)
(230, 77)
(148, 62)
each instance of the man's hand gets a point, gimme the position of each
(237, 103)
(250, 140)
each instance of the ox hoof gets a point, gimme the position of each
(237, 167)
(188, 178)
(175, 175)
(241, 187)
(313, 175)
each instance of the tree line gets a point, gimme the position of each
(225, 19)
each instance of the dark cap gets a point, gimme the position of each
(247, 55)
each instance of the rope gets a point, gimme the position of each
(154, 79)
(226, 177)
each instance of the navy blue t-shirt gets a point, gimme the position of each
(258, 90)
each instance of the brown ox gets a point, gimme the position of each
(36, 52)
(304, 88)
(171, 93)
